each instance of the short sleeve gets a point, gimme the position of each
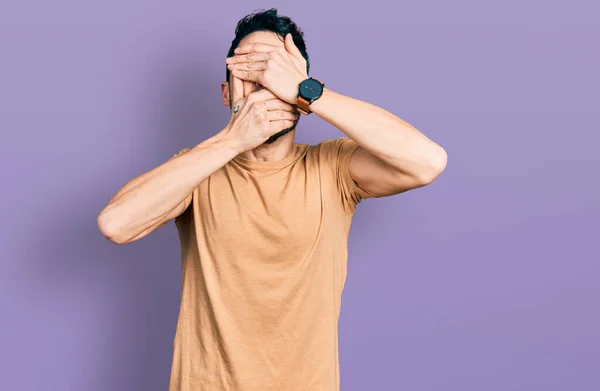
(337, 154)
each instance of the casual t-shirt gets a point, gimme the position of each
(264, 251)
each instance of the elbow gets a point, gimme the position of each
(109, 229)
(435, 166)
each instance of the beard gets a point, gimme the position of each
(281, 133)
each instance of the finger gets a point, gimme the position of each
(278, 104)
(256, 47)
(291, 47)
(277, 115)
(279, 125)
(255, 76)
(248, 66)
(237, 89)
(250, 57)
(262, 95)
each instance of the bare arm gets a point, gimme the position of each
(152, 199)
(163, 193)
(393, 156)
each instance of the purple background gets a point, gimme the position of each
(486, 280)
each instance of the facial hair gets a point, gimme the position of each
(283, 132)
(279, 134)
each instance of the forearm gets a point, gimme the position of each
(383, 134)
(147, 199)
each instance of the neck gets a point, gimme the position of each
(278, 150)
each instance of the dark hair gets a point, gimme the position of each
(268, 21)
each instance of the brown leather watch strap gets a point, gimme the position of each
(303, 106)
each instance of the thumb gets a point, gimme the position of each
(237, 90)
(291, 47)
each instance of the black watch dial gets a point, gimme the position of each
(310, 89)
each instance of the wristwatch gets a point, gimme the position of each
(309, 91)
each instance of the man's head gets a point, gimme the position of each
(270, 28)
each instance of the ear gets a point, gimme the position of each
(291, 47)
(225, 93)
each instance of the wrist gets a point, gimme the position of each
(317, 105)
(310, 90)
(229, 139)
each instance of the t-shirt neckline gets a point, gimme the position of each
(257, 165)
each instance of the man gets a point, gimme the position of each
(264, 221)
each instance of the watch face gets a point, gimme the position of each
(310, 89)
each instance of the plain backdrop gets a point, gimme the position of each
(488, 279)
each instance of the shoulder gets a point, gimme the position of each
(335, 149)
(326, 145)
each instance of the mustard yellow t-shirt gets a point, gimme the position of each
(264, 251)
